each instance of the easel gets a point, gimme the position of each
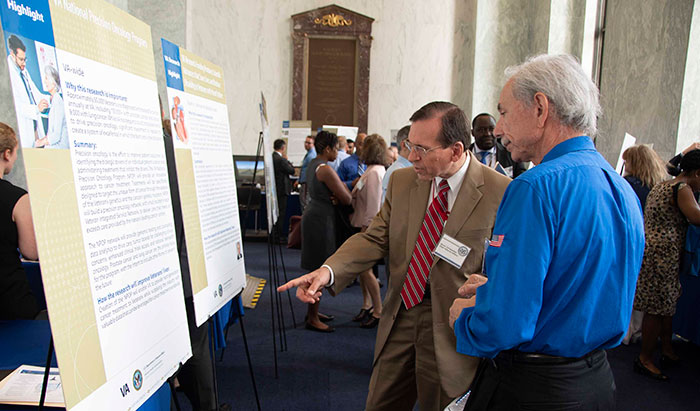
(171, 380)
(235, 304)
(47, 370)
(273, 274)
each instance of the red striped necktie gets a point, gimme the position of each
(422, 259)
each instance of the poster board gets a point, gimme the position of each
(270, 188)
(628, 142)
(100, 198)
(345, 131)
(295, 133)
(206, 178)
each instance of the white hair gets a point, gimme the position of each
(572, 95)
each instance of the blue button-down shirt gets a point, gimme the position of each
(349, 168)
(563, 261)
(310, 155)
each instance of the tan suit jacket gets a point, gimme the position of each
(395, 230)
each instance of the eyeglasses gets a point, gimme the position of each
(420, 151)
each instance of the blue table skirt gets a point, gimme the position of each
(27, 342)
(686, 322)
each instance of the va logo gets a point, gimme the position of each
(463, 251)
(221, 290)
(137, 380)
(124, 390)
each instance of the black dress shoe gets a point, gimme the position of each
(640, 368)
(328, 329)
(362, 316)
(370, 322)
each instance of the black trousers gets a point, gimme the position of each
(508, 384)
(279, 225)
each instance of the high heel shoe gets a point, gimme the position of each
(370, 322)
(640, 368)
(362, 316)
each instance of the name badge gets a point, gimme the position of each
(360, 184)
(452, 251)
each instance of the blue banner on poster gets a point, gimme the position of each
(29, 19)
(173, 69)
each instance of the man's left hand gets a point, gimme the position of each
(457, 306)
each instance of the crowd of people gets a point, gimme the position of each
(513, 261)
(451, 226)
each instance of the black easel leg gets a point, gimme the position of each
(289, 297)
(47, 370)
(273, 290)
(213, 362)
(278, 297)
(247, 354)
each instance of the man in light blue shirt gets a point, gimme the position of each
(563, 261)
(401, 162)
(310, 155)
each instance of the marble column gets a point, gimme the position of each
(566, 27)
(507, 32)
(644, 61)
(463, 57)
(689, 122)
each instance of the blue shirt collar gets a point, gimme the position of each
(580, 143)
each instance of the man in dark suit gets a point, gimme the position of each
(488, 150)
(283, 169)
(446, 197)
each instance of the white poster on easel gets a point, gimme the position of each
(348, 132)
(628, 142)
(295, 132)
(96, 171)
(270, 188)
(206, 178)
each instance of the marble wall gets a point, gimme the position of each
(644, 61)
(444, 50)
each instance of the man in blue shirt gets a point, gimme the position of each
(563, 261)
(352, 168)
(310, 155)
(401, 162)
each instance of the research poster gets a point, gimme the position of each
(206, 178)
(270, 188)
(295, 132)
(84, 86)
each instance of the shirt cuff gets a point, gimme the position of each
(332, 280)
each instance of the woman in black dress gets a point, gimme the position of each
(318, 231)
(17, 232)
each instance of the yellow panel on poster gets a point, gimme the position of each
(103, 33)
(190, 218)
(202, 78)
(64, 270)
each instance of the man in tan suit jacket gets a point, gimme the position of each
(415, 355)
